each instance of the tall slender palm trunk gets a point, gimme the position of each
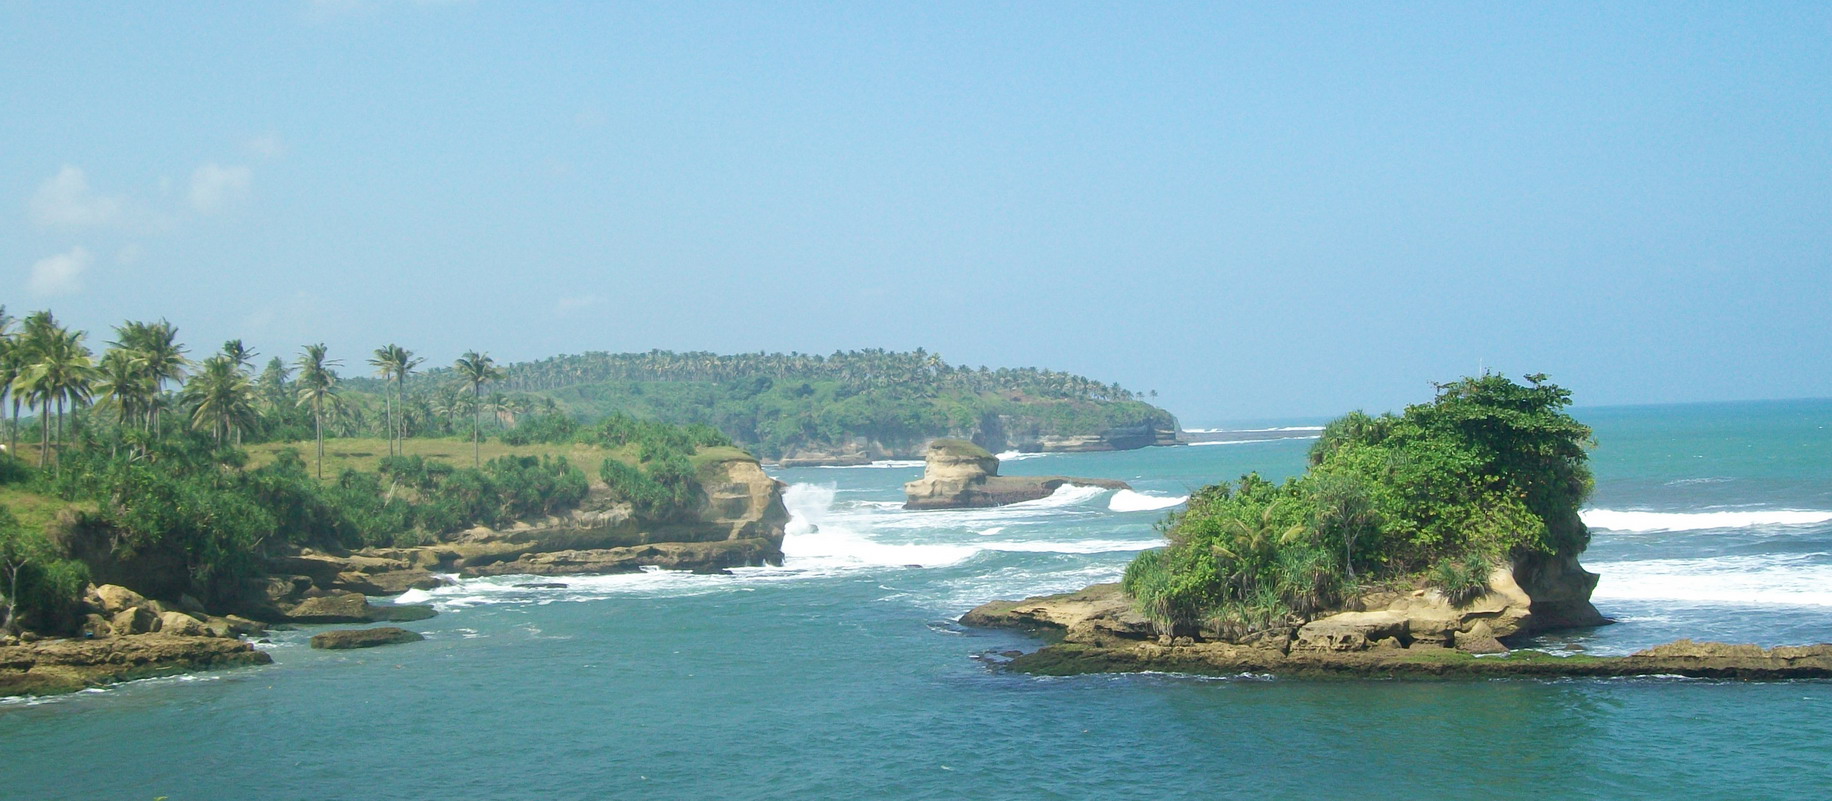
(318, 434)
(476, 423)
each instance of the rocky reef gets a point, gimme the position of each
(1417, 633)
(958, 474)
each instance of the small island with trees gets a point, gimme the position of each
(1415, 544)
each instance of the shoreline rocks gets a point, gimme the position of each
(958, 474)
(50, 667)
(1098, 630)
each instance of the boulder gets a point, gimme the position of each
(958, 474)
(112, 598)
(338, 607)
(133, 620)
(1480, 639)
(364, 638)
(179, 624)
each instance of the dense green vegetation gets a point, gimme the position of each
(141, 456)
(780, 403)
(1488, 471)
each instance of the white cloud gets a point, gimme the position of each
(268, 146)
(61, 274)
(66, 199)
(215, 187)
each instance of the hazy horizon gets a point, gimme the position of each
(1261, 212)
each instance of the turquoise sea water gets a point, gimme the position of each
(843, 675)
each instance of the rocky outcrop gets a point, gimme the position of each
(344, 639)
(738, 522)
(1416, 633)
(1684, 658)
(1101, 633)
(958, 475)
(60, 666)
(1100, 613)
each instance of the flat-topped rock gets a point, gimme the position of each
(61, 666)
(958, 474)
(345, 639)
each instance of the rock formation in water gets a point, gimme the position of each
(344, 639)
(1102, 632)
(958, 474)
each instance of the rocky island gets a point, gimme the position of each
(958, 474)
(1416, 545)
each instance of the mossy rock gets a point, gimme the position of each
(960, 448)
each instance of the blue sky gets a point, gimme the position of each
(1257, 210)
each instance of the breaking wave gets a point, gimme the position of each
(1615, 520)
(1130, 501)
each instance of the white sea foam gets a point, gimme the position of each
(1249, 430)
(1248, 441)
(1130, 501)
(1765, 579)
(1615, 520)
(881, 463)
(1019, 456)
(1065, 495)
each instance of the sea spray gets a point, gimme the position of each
(1131, 501)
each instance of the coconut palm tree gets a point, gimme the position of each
(317, 389)
(476, 369)
(221, 397)
(60, 376)
(394, 363)
(123, 385)
(157, 354)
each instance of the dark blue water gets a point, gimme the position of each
(842, 675)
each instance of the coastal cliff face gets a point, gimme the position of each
(958, 475)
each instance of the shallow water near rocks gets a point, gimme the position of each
(843, 675)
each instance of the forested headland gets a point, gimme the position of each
(136, 460)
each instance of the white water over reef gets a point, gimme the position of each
(1615, 520)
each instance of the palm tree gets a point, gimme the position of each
(317, 389)
(158, 355)
(476, 369)
(394, 363)
(222, 397)
(239, 354)
(61, 375)
(123, 385)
